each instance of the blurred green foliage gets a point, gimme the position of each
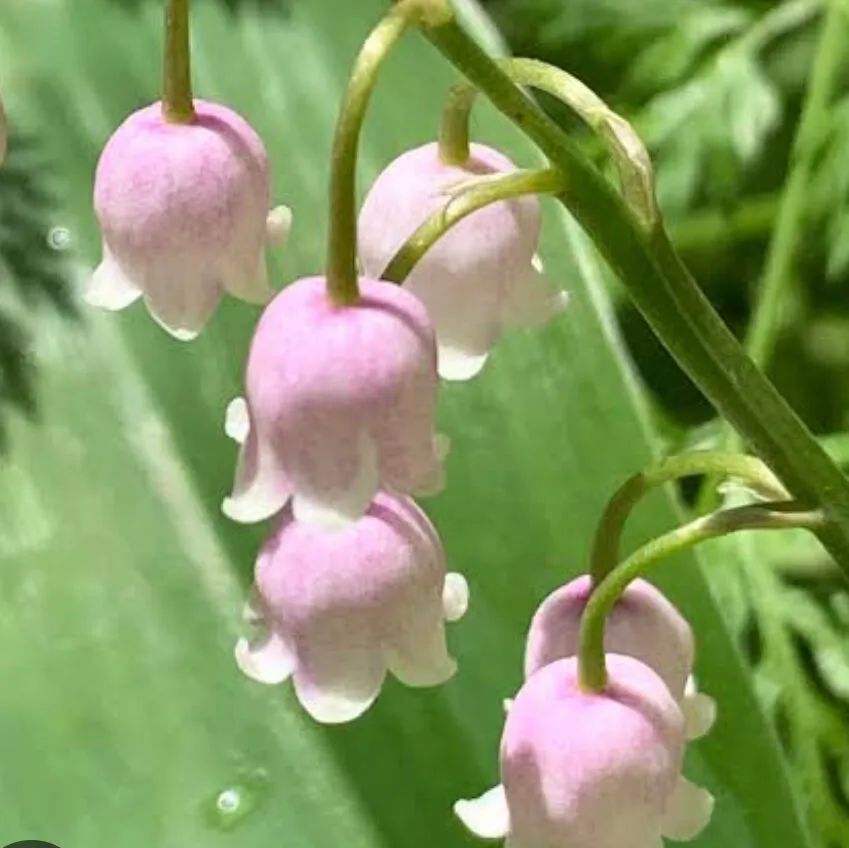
(33, 273)
(715, 89)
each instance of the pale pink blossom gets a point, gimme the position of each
(184, 213)
(591, 770)
(643, 624)
(482, 276)
(335, 611)
(340, 401)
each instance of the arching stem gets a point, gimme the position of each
(460, 204)
(619, 138)
(768, 516)
(342, 231)
(748, 470)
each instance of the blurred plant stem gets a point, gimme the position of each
(706, 229)
(790, 224)
(790, 227)
(778, 21)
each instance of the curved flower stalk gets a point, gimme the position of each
(643, 624)
(591, 770)
(482, 276)
(184, 211)
(337, 610)
(340, 402)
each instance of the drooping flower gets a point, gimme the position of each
(340, 403)
(337, 610)
(591, 770)
(482, 276)
(184, 212)
(643, 624)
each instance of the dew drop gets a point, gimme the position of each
(234, 803)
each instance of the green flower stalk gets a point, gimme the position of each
(177, 100)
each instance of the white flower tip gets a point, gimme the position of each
(178, 331)
(486, 817)
(237, 423)
(181, 334)
(688, 813)
(436, 675)
(537, 264)
(441, 446)
(455, 596)
(507, 705)
(333, 707)
(434, 482)
(699, 714)
(109, 288)
(268, 661)
(277, 225)
(244, 508)
(457, 365)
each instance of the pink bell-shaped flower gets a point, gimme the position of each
(337, 610)
(591, 770)
(482, 276)
(184, 212)
(643, 624)
(340, 402)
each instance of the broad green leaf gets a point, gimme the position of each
(126, 720)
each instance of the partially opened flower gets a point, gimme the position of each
(591, 770)
(340, 402)
(643, 624)
(184, 212)
(337, 610)
(480, 277)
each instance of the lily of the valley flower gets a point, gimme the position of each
(591, 770)
(340, 403)
(184, 212)
(643, 624)
(337, 610)
(480, 277)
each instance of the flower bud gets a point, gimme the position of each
(480, 277)
(337, 610)
(183, 209)
(340, 402)
(591, 769)
(643, 624)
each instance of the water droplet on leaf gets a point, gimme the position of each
(231, 805)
